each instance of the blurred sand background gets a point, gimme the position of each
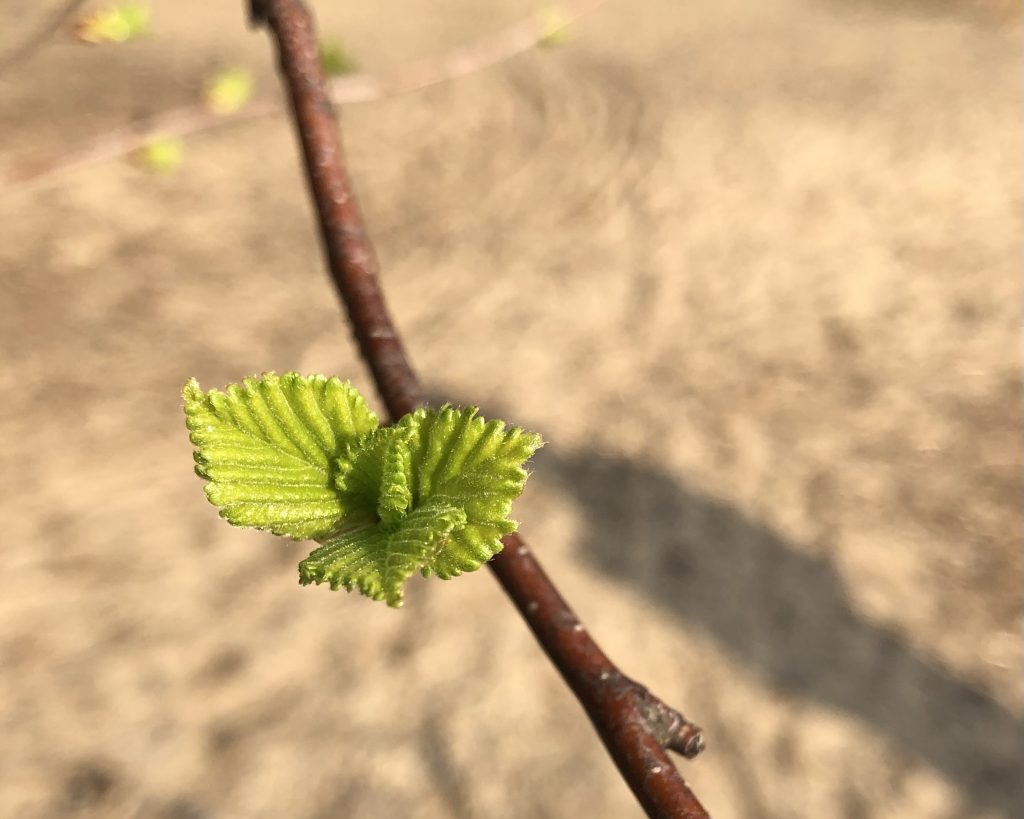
(752, 269)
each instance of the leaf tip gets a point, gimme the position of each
(191, 390)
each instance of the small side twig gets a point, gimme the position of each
(459, 62)
(359, 87)
(34, 40)
(179, 122)
(635, 726)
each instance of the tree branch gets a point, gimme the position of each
(360, 87)
(634, 725)
(189, 119)
(461, 61)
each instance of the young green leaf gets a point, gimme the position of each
(161, 154)
(228, 91)
(473, 465)
(269, 448)
(464, 471)
(378, 559)
(554, 26)
(395, 495)
(335, 59)
(114, 24)
(304, 457)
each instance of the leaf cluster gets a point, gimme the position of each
(305, 457)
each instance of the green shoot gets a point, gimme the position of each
(114, 24)
(305, 458)
(335, 59)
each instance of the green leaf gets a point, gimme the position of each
(114, 24)
(161, 155)
(335, 59)
(378, 559)
(466, 471)
(269, 449)
(473, 465)
(554, 26)
(396, 475)
(228, 91)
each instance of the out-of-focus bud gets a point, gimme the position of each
(161, 155)
(228, 91)
(113, 24)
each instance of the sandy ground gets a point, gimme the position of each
(751, 269)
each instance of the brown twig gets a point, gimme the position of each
(460, 62)
(360, 87)
(40, 35)
(634, 725)
(179, 122)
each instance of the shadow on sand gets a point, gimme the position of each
(788, 617)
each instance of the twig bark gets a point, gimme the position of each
(635, 726)
(359, 87)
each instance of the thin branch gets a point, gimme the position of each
(34, 40)
(179, 122)
(459, 62)
(360, 87)
(635, 726)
